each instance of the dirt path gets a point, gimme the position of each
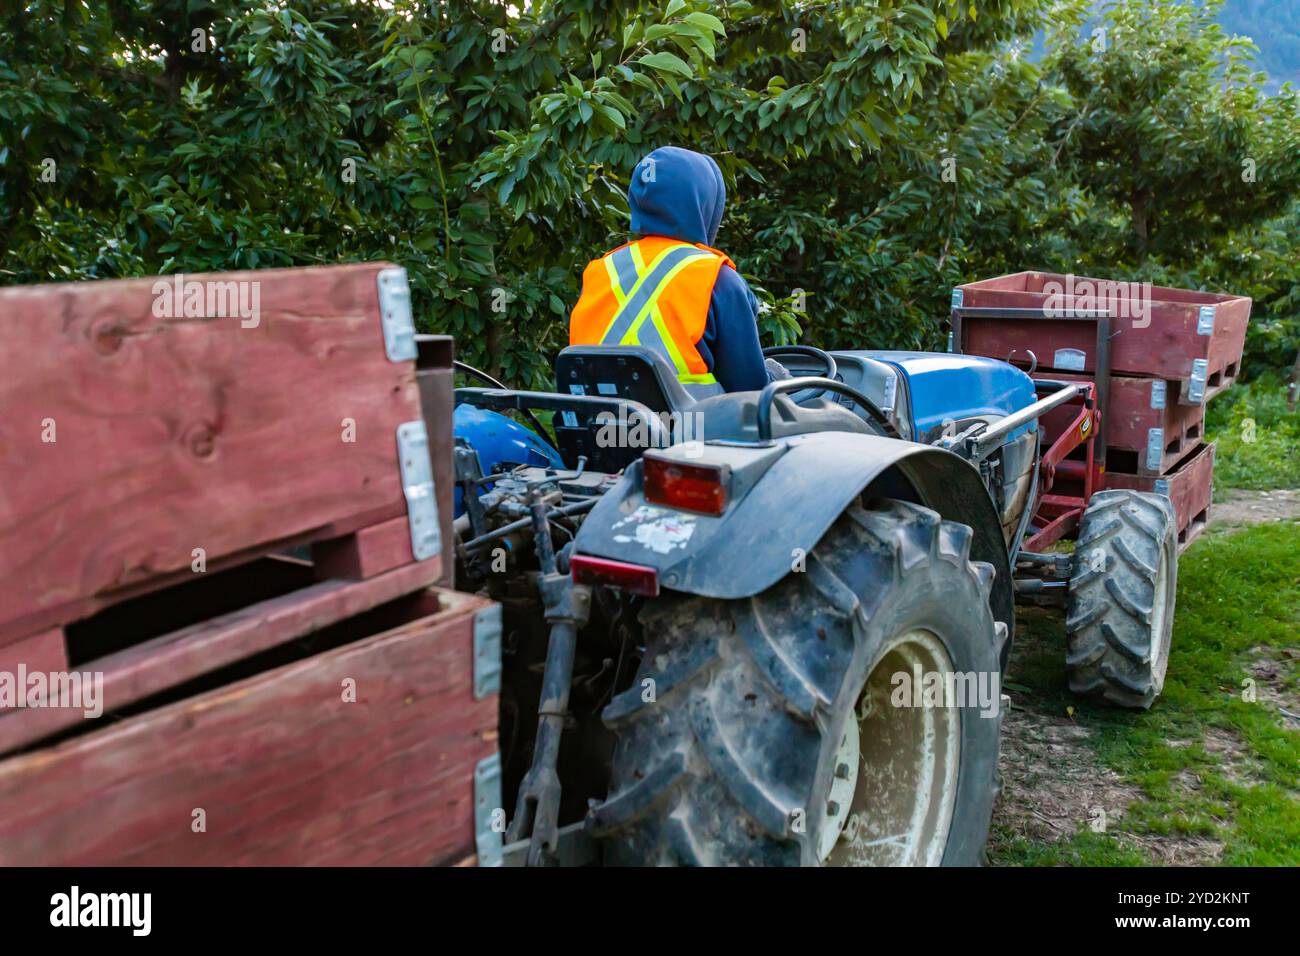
(1244, 508)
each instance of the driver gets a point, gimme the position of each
(669, 290)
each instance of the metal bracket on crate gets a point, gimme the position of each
(1155, 448)
(487, 652)
(1162, 487)
(1158, 394)
(417, 485)
(487, 803)
(1196, 381)
(1205, 320)
(1070, 360)
(395, 315)
(958, 297)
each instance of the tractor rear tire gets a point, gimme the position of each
(763, 731)
(1120, 612)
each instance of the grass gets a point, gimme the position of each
(1259, 439)
(1208, 764)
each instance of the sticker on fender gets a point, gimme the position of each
(659, 530)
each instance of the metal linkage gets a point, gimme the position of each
(567, 606)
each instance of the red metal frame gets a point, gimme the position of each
(1058, 514)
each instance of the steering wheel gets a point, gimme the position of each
(830, 369)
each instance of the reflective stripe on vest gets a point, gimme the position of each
(623, 304)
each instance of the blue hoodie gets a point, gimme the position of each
(679, 193)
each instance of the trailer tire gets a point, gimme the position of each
(735, 742)
(1120, 611)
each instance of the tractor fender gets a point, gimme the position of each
(779, 516)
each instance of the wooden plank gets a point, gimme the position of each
(286, 772)
(1189, 486)
(146, 668)
(1162, 344)
(435, 379)
(1129, 417)
(368, 552)
(175, 434)
(43, 652)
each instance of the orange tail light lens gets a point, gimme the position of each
(700, 488)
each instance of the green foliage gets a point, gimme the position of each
(1258, 438)
(1170, 126)
(876, 153)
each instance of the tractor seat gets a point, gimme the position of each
(634, 372)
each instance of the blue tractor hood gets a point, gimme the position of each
(951, 387)
(501, 443)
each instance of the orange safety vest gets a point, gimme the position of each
(653, 292)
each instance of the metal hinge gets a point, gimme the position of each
(1196, 383)
(958, 297)
(487, 652)
(1155, 448)
(417, 485)
(1157, 394)
(487, 804)
(1205, 320)
(395, 315)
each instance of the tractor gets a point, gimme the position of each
(711, 606)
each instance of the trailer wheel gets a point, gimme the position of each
(1120, 612)
(764, 730)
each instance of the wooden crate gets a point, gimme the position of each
(283, 768)
(1147, 431)
(1189, 485)
(1192, 338)
(172, 434)
(167, 638)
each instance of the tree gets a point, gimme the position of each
(876, 153)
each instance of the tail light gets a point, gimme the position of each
(701, 488)
(602, 572)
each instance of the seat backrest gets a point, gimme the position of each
(634, 372)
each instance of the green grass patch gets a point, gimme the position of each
(1084, 848)
(1259, 439)
(1209, 764)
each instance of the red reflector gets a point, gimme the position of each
(633, 578)
(701, 488)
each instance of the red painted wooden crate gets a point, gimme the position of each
(1192, 338)
(176, 433)
(283, 768)
(1189, 485)
(1147, 431)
